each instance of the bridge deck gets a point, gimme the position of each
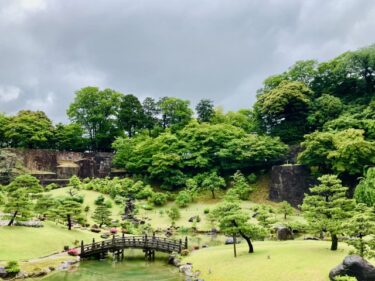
(147, 243)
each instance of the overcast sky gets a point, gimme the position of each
(192, 49)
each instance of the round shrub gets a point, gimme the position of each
(206, 211)
(12, 268)
(183, 199)
(158, 199)
(99, 200)
(252, 178)
(145, 193)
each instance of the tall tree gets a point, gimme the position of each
(96, 111)
(327, 207)
(131, 114)
(175, 112)
(30, 129)
(283, 110)
(70, 211)
(102, 215)
(69, 137)
(150, 111)
(205, 110)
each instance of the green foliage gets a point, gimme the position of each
(175, 112)
(264, 215)
(240, 186)
(327, 207)
(29, 129)
(361, 227)
(283, 110)
(68, 210)
(205, 110)
(145, 193)
(212, 182)
(44, 205)
(130, 115)
(69, 137)
(12, 268)
(365, 190)
(324, 109)
(99, 200)
(93, 109)
(183, 199)
(158, 199)
(252, 178)
(75, 182)
(341, 152)
(102, 215)
(174, 214)
(286, 209)
(232, 221)
(26, 182)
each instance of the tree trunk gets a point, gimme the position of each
(284, 216)
(213, 193)
(334, 242)
(69, 218)
(234, 245)
(247, 238)
(13, 218)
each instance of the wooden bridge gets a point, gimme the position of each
(117, 245)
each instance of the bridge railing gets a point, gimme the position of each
(145, 242)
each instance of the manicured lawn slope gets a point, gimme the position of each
(18, 243)
(272, 261)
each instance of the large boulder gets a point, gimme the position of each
(354, 266)
(284, 233)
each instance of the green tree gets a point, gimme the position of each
(174, 214)
(4, 121)
(131, 115)
(69, 137)
(365, 190)
(70, 211)
(102, 215)
(44, 205)
(19, 205)
(360, 226)
(240, 186)
(175, 112)
(96, 111)
(150, 114)
(27, 182)
(212, 182)
(283, 110)
(232, 221)
(286, 209)
(30, 129)
(183, 198)
(324, 109)
(205, 110)
(327, 207)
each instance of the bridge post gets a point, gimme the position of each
(145, 240)
(179, 246)
(186, 242)
(82, 248)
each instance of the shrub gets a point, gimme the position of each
(147, 207)
(113, 230)
(108, 204)
(145, 193)
(12, 268)
(52, 186)
(73, 252)
(119, 199)
(252, 178)
(206, 211)
(99, 200)
(174, 214)
(183, 199)
(185, 252)
(158, 199)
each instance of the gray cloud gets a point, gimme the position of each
(217, 49)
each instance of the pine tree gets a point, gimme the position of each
(286, 209)
(102, 215)
(327, 207)
(365, 190)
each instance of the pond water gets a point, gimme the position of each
(129, 270)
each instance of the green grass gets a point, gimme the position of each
(272, 261)
(21, 243)
(89, 200)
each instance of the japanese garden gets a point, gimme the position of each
(215, 194)
(152, 158)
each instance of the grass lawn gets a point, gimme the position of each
(272, 261)
(89, 200)
(21, 243)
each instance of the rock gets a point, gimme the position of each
(230, 241)
(104, 235)
(173, 260)
(187, 269)
(284, 233)
(195, 218)
(290, 183)
(354, 266)
(3, 272)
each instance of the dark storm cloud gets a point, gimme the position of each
(194, 49)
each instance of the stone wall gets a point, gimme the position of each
(50, 165)
(290, 183)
